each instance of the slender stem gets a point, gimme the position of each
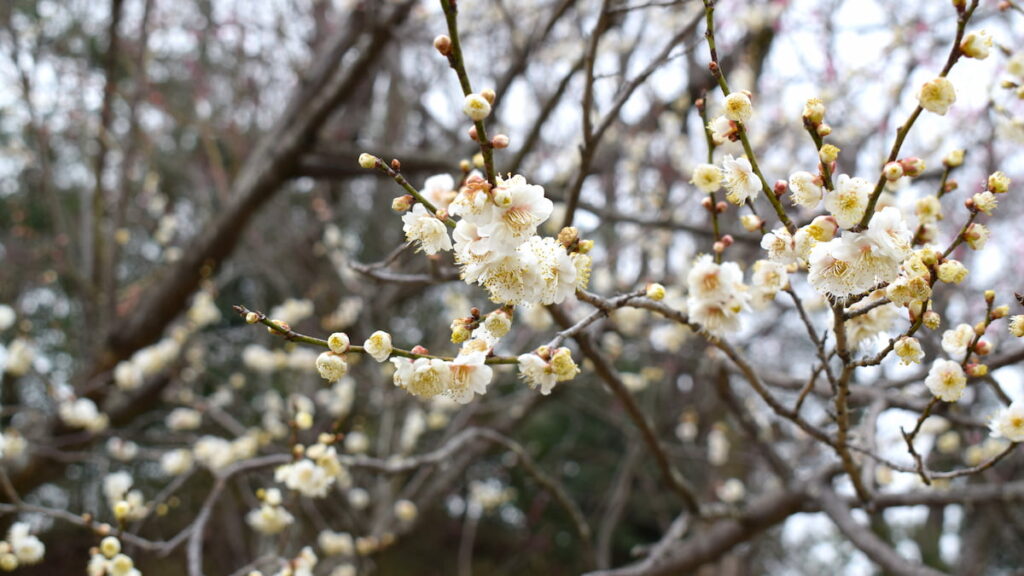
(904, 130)
(455, 60)
(741, 130)
(292, 336)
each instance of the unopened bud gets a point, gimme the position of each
(368, 161)
(489, 95)
(1000, 312)
(252, 318)
(954, 158)
(417, 349)
(402, 203)
(443, 44)
(568, 236)
(303, 420)
(751, 222)
(472, 133)
(655, 291)
(828, 153)
(990, 296)
(585, 246)
(893, 171)
(913, 166)
(396, 165)
(727, 240)
(983, 348)
(721, 207)
(465, 166)
(977, 370)
(814, 111)
(780, 187)
(476, 107)
(500, 141)
(707, 204)
(824, 130)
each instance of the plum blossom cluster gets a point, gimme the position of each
(271, 517)
(856, 262)
(495, 238)
(108, 560)
(717, 295)
(20, 548)
(314, 473)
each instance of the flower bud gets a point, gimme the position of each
(814, 111)
(824, 130)
(952, 272)
(476, 107)
(568, 236)
(976, 45)
(1000, 312)
(500, 141)
(655, 291)
(252, 318)
(460, 331)
(912, 167)
(368, 161)
(331, 366)
(489, 95)
(751, 222)
(403, 203)
(110, 546)
(932, 320)
(954, 159)
(338, 342)
(999, 183)
(121, 510)
(893, 171)
(303, 420)
(828, 154)
(443, 44)
(976, 370)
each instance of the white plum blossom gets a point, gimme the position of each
(739, 180)
(469, 376)
(424, 228)
(716, 295)
(424, 377)
(305, 477)
(946, 380)
(805, 189)
(378, 345)
(439, 190)
(848, 200)
(1009, 422)
(519, 208)
(955, 342)
(858, 261)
